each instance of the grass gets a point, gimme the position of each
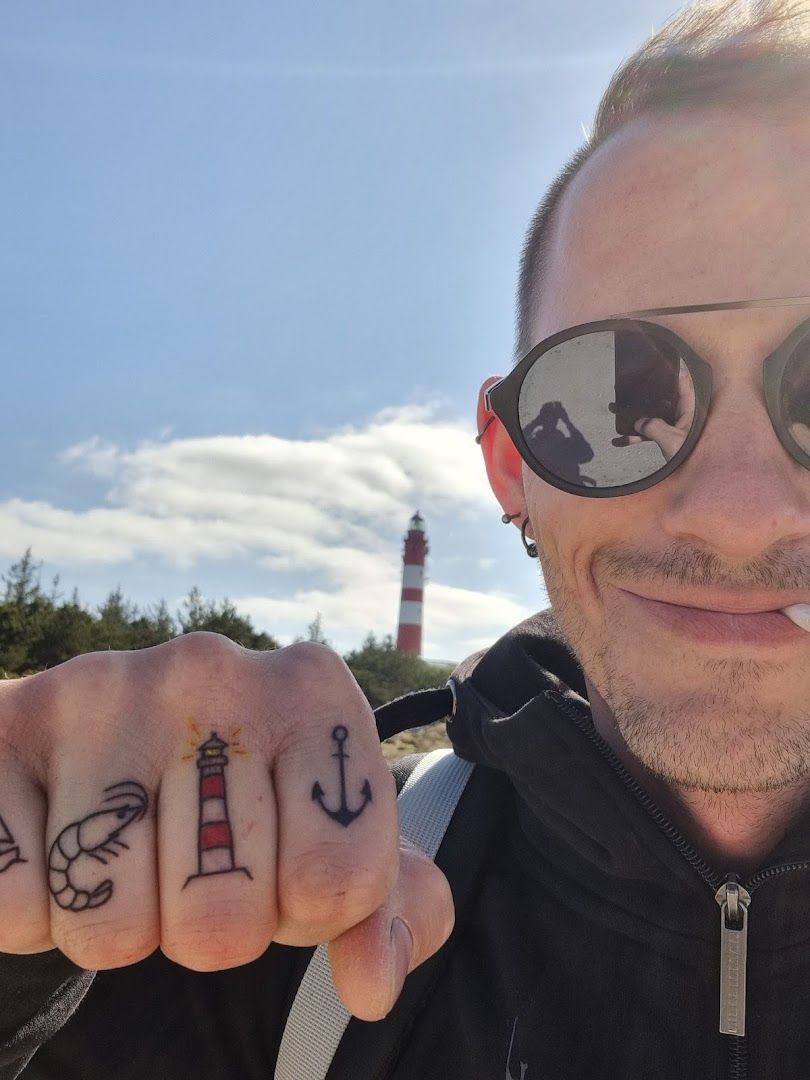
(417, 741)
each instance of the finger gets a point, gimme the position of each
(216, 845)
(102, 875)
(338, 821)
(669, 439)
(25, 922)
(371, 960)
(686, 395)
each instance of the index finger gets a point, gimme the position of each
(686, 395)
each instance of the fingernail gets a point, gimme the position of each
(402, 946)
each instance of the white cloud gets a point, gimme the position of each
(94, 454)
(329, 508)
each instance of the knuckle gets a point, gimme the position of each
(20, 931)
(215, 939)
(59, 695)
(204, 649)
(92, 669)
(112, 944)
(201, 670)
(312, 682)
(311, 658)
(325, 885)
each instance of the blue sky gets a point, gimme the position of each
(256, 261)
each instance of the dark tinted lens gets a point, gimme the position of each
(580, 401)
(795, 395)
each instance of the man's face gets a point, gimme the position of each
(698, 209)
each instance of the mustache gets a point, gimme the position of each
(785, 571)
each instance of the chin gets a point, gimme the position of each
(713, 743)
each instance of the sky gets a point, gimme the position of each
(256, 261)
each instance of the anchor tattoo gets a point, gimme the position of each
(343, 814)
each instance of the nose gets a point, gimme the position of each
(739, 493)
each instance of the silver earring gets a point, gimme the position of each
(531, 547)
(506, 518)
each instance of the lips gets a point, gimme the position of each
(730, 601)
(709, 627)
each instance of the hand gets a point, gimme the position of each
(670, 437)
(207, 800)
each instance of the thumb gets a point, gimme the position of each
(669, 439)
(370, 960)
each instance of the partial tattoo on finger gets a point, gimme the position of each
(9, 849)
(93, 837)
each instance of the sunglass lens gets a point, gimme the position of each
(795, 394)
(581, 400)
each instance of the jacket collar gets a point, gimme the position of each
(522, 709)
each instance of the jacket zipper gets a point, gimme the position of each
(732, 896)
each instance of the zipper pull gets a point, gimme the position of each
(733, 900)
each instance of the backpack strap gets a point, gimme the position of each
(318, 1018)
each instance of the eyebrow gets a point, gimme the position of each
(728, 305)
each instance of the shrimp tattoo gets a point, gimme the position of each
(85, 839)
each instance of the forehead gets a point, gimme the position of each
(694, 208)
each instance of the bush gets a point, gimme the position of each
(384, 673)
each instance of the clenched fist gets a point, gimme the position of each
(207, 800)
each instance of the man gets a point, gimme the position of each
(646, 742)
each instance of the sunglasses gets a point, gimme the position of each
(612, 407)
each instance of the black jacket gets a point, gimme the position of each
(586, 944)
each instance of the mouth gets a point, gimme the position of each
(710, 626)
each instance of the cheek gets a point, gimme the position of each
(570, 532)
(556, 524)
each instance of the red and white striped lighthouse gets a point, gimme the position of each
(409, 634)
(214, 835)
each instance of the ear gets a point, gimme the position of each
(503, 463)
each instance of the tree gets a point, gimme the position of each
(113, 628)
(14, 638)
(24, 613)
(39, 630)
(383, 672)
(156, 624)
(121, 625)
(67, 631)
(22, 581)
(221, 618)
(315, 631)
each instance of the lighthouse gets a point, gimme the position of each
(214, 836)
(409, 634)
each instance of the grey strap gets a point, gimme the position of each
(318, 1018)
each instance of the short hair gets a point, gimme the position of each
(749, 53)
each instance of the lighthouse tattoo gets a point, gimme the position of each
(215, 853)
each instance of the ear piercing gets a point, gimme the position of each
(480, 434)
(531, 547)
